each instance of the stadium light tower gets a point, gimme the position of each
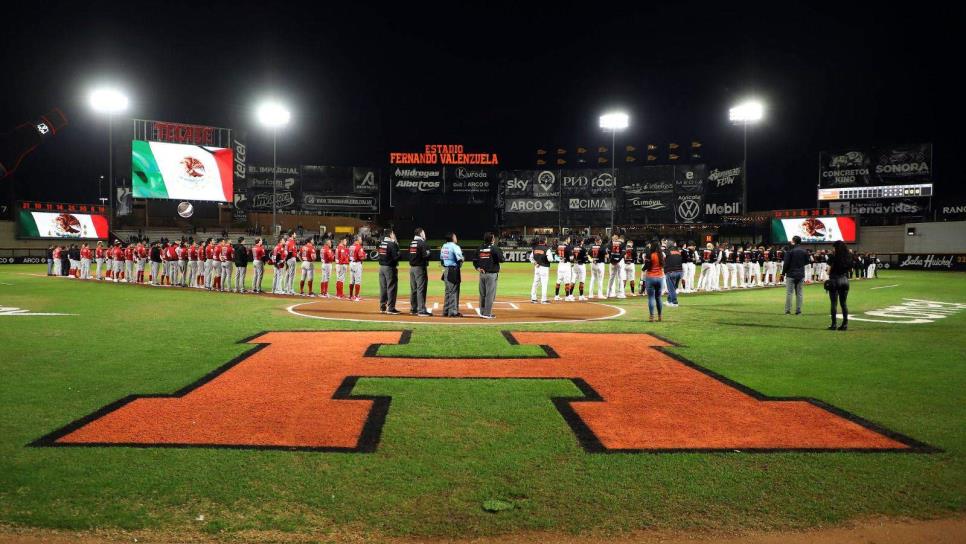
(273, 114)
(746, 113)
(613, 121)
(109, 100)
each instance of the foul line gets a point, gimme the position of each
(620, 313)
(883, 287)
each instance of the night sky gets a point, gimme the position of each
(499, 78)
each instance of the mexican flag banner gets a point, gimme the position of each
(79, 226)
(182, 172)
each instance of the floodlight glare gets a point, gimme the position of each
(272, 114)
(108, 100)
(747, 112)
(614, 121)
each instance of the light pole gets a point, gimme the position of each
(273, 114)
(745, 113)
(110, 101)
(613, 121)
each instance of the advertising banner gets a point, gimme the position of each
(932, 261)
(469, 179)
(417, 179)
(905, 206)
(689, 179)
(689, 208)
(365, 181)
(325, 202)
(63, 225)
(869, 166)
(814, 230)
(587, 183)
(726, 182)
(181, 171)
(717, 207)
(531, 205)
(261, 200)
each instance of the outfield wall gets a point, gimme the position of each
(944, 237)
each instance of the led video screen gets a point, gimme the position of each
(61, 225)
(814, 230)
(180, 171)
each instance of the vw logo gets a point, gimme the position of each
(688, 210)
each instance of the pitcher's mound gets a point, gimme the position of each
(505, 311)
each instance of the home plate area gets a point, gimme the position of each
(505, 311)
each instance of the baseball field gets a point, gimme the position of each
(185, 412)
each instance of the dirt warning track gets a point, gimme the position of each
(505, 311)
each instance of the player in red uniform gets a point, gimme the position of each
(291, 252)
(99, 259)
(258, 264)
(118, 262)
(341, 266)
(327, 256)
(356, 257)
(85, 268)
(227, 256)
(307, 255)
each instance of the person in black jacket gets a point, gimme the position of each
(673, 269)
(50, 261)
(838, 283)
(794, 266)
(388, 273)
(242, 259)
(487, 263)
(418, 280)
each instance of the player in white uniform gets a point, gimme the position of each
(629, 273)
(564, 267)
(540, 259)
(597, 253)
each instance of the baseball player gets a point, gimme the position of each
(541, 270)
(689, 254)
(291, 252)
(242, 258)
(598, 259)
(85, 265)
(278, 260)
(729, 267)
(579, 273)
(307, 256)
(771, 266)
(629, 273)
(357, 255)
(341, 267)
(707, 267)
(141, 258)
(129, 263)
(182, 251)
(120, 263)
(564, 266)
(327, 257)
(615, 285)
(209, 255)
(191, 273)
(871, 266)
(227, 256)
(258, 263)
(99, 259)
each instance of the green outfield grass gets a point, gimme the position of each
(450, 445)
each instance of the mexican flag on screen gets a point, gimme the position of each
(182, 172)
(81, 226)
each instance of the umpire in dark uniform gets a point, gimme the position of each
(487, 263)
(418, 281)
(388, 273)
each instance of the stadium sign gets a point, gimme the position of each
(530, 205)
(932, 261)
(444, 154)
(590, 204)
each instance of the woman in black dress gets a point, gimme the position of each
(838, 283)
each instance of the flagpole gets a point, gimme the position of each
(613, 170)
